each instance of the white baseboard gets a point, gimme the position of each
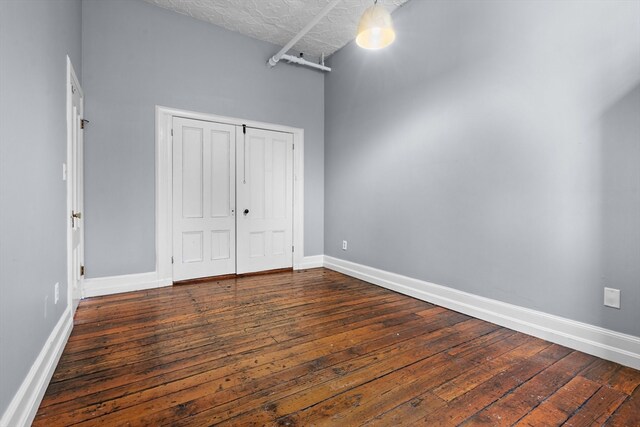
(314, 261)
(125, 283)
(22, 409)
(600, 342)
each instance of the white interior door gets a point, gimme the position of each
(204, 229)
(265, 200)
(74, 176)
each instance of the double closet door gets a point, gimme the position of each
(232, 199)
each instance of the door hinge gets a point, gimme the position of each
(293, 248)
(171, 132)
(83, 122)
(82, 270)
(171, 260)
(293, 147)
(244, 129)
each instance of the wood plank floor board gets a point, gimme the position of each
(159, 314)
(203, 395)
(142, 348)
(297, 385)
(314, 318)
(154, 305)
(240, 323)
(199, 373)
(627, 414)
(382, 394)
(230, 360)
(196, 356)
(291, 315)
(491, 366)
(317, 348)
(598, 408)
(558, 408)
(529, 395)
(334, 392)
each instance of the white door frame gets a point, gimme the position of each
(164, 173)
(73, 82)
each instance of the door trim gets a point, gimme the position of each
(164, 195)
(71, 77)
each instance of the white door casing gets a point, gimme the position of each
(265, 200)
(75, 189)
(204, 230)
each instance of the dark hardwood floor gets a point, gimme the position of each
(318, 348)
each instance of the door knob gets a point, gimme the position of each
(246, 211)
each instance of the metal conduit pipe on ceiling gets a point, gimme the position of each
(273, 61)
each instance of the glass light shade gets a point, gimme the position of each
(375, 30)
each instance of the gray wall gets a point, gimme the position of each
(495, 149)
(35, 37)
(136, 55)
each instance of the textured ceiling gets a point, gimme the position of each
(277, 21)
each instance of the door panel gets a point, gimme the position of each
(221, 175)
(220, 244)
(203, 199)
(192, 165)
(265, 193)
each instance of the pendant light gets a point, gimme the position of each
(375, 30)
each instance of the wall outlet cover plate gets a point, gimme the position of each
(612, 297)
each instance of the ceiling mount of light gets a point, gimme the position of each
(375, 30)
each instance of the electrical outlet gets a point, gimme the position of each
(46, 304)
(56, 293)
(612, 297)
(344, 245)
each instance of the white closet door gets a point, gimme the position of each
(265, 200)
(204, 229)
